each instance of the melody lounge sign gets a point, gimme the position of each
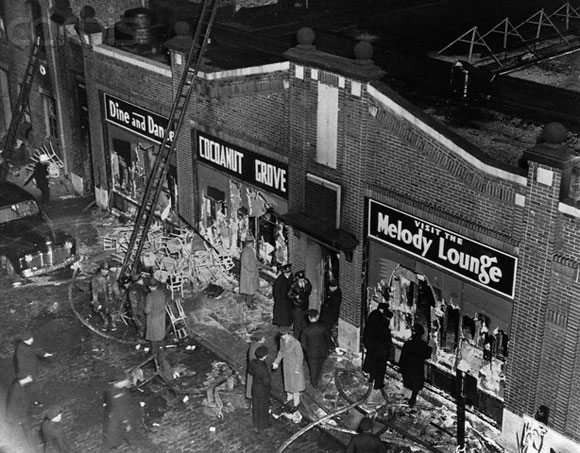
(469, 259)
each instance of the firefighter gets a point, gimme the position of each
(106, 294)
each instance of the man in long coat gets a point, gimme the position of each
(291, 353)
(412, 362)
(136, 294)
(378, 343)
(299, 294)
(122, 417)
(261, 386)
(249, 273)
(53, 434)
(330, 309)
(258, 339)
(26, 355)
(19, 411)
(155, 311)
(315, 342)
(282, 314)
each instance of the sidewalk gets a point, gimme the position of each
(224, 326)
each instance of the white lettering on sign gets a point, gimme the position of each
(396, 231)
(118, 114)
(221, 155)
(481, 266)
(271, 175)
(156, 129)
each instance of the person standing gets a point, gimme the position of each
(261, 386)
(19, 411)
(365, 441)
(55, 440)
(122, 417)
(282, 313)
(136, 294)
(249, 273)
(26, 356)
(315, 342)
(412, 362)
(40, 176)
(291, 353)
(258, 339)
(330, 310)
(378, 343)
(106, 293)
(155, 312)
(299, 294)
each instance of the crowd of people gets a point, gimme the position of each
(306, 336)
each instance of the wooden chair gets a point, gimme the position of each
(178, 319)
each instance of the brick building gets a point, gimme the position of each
(330, 169)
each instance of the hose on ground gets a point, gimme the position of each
(323, 419)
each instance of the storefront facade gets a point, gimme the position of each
(133, 135)
(242, 194)
(461, 289)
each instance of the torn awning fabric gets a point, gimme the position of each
(324, 232)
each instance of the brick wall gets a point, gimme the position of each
(126, 81)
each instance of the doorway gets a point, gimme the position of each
(322, 264)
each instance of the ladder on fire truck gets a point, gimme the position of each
(148, 204)
(21, 103)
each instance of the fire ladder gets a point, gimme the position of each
(21, 104)
(148, 204)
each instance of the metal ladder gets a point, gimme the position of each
(146, 209)
(21, 102)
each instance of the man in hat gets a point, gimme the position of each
(282, 313)
(40, 176)
(106, 294)
(315, 342)
(249, 273)
(291, 353)
(19, 411)
(365, 441)
(26, 356)
(261, 385)
(55, 440)
(155, 303)
(299, 294)
(330, 310)
(379, 344)
(258, 339)
(136, 293)
(412, 361)
(123, 417)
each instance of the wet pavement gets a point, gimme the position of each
(219, 327)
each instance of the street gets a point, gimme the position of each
(84, 361)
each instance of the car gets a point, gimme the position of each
(29, 246)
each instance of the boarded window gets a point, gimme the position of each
(327, 125)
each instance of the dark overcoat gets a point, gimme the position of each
(315, 340)
(55, 440)
(26, 359)
(122, 417)
(155, 310)
(377, 340)
(282, 314)
(330, 310)
(261, 386)
(412, 362)
(254, 345)
(366, 443)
